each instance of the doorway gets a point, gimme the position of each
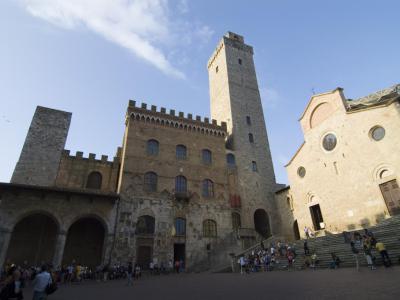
(316, 216)
(391, 193)
(296, 230)
(144, 255)
(179, 252)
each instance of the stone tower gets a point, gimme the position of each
(235, 99)
(41, 154)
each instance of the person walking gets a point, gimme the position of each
(40, 283)
(355, 252)
(306, 249)
(367, 252)
(129, 273)
(380, 247)
(13, 286)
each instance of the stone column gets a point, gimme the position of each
(5, 236)
(59, 249)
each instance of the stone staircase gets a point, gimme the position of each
(388, 232)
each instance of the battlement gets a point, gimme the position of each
(175, 119)
(232, 40)
(90, 157)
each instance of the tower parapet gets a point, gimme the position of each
(177, 120)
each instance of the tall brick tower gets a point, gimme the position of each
(235, 99)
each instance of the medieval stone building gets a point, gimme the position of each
(179, 188)
(345, 175)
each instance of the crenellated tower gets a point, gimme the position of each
(235, 99)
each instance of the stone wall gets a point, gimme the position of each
(63, 206)
(74, 171)
(41, 153)
(162, 204)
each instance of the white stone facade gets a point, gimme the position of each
(346, 181)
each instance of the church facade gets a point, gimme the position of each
(345, 175)
(179, 188)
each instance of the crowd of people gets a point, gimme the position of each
(265, 259)
(281, 256)
(13, 278)
(365, 244)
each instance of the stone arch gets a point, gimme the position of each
(382, 171)
(320, 113)
(85, 241)
(261, 223)
(162, 122)
(146, 211)
(33, 239)
(180, 126)
(142, 118)
(152, 120)
(137, 117)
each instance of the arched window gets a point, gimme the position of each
(145, 225)
(236, 222)
(150, 182)
(152, 147)
(230, 160)
(180, 184)
(206, 156)
(208, 188)
(209, 228)
(94, 181)
(251, 138)
(180, 227)
(180, 152)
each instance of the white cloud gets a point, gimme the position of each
(141, 26)
(269, 97)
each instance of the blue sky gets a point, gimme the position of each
(90, 57)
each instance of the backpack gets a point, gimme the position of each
(51, 287)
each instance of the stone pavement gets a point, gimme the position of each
(320, 284)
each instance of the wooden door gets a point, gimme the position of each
(391, 193)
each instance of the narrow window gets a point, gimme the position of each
(94, 181)
(180, 184)
(181, 152)
(230, 160)
(254, 166)
(248, 120)
(236, 223)
(251, 138)
(208, 188)
(180, 227)
(216, 69)
(150, 182)
(209, 228)
(152, 147)
(240, 61)
(206, 156)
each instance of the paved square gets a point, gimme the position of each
(320, 284)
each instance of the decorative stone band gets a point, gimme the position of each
(179, 122)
